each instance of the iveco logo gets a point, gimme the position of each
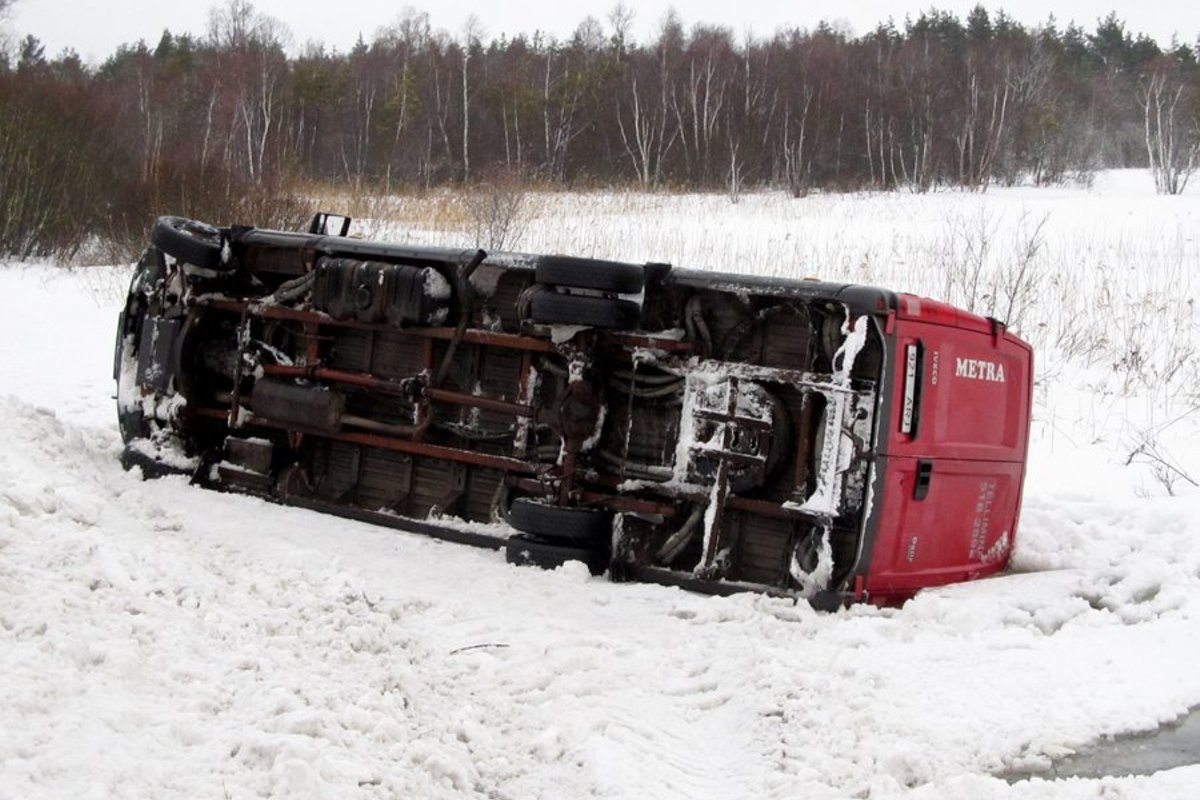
(978, 370)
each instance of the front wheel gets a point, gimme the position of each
(145, 283)
(154, 463)
(191, 242)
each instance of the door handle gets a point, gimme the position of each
(924, 478)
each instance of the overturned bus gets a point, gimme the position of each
(715, 431)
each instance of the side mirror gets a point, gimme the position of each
(325, 224)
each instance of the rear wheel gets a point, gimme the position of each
(590, 273)
(559, 523)
(525, 549)
(190, 241)
(552, 308)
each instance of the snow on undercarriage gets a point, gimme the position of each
(693, 428)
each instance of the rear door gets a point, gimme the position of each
(953, 460)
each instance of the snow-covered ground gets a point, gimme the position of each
(162, 641)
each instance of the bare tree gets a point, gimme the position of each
(438, 56)
(659, 70)
(237, 25)
(735, 176)
(701, 97)
(472, 32)
(367, 80)
(916, 155)
(152, 125)
(1032, 98)
(621, 19)
(250, 48)
(256, 108)
(498, 210)
(407, 38)
(562, 96)
(5, 5)
(645, 137)
(795, 140)
(1172, 145)
(982, 131)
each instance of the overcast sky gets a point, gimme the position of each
(94, 28)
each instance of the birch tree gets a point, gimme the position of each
(1172, 140)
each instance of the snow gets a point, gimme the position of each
(157, 640)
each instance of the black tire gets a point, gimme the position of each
(151, 467)
(559, 523)
(189, 241)
(533, 551)
(590, 273)
(630, 547)
(144, 282)
(132, 425)
(594, 312)
(828, 601)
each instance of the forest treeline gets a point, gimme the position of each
(228, 126)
